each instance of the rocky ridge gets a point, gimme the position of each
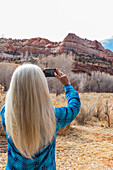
(89, 54)
(84, 46)
(43, 46)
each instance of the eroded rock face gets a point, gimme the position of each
(43, 46)
(88, 68)
(33, 45)
(88, 54)
(84, 46)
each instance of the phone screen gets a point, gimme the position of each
(49, 72)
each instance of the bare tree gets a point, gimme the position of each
(64, 63)
(96, 82)
(6, 71)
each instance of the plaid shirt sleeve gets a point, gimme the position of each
(65, 115)
(2, 114)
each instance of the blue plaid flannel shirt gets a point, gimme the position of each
(45, 158)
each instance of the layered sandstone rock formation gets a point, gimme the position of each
(33, 45)
(88, 54)
(44, 46)
(84, 46)
(79, 67)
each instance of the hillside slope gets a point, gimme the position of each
(87, 54)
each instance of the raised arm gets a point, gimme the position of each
(65, 115)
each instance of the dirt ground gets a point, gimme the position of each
(84, 147)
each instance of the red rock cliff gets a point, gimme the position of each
(83, 46)
(43, 46)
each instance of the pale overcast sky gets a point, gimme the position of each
(54, 19)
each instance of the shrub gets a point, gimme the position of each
(95, 82)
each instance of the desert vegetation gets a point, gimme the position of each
(94, 81)
(6, 71)
(91, 59)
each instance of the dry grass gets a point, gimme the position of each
(93, 107)
(83, 147)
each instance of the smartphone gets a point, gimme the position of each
(49, 72)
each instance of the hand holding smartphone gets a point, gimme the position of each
(49, 72)
(58, 74)
(61, 77)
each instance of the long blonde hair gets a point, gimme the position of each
(29, 111)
